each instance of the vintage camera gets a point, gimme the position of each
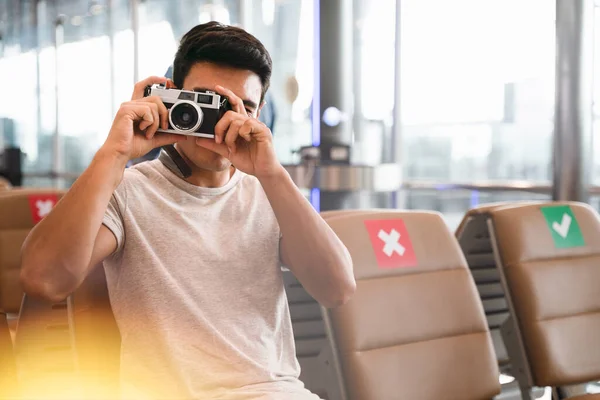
(192, 113)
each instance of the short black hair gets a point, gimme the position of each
(225, 45)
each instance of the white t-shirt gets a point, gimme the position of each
(197, 292)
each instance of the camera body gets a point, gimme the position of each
(190, 113)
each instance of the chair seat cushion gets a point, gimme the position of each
(586, 397)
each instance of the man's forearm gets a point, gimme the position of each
(310, 248)
(57, 252)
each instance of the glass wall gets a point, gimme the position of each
(70, 64)
(596, 107)
(286, 30)
(476, 98)
(477, 89)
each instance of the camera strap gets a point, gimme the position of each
(171, 159)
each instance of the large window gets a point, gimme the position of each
(69, 74)
(286, 30)
(596, 99)
(476, 80)
(477, 89)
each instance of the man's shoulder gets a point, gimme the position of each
(251, 185)
(142, 175)
(138, 179)
(145, 170)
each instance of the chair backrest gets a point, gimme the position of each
(337, 213)
(550, 256)
(484, 209)
(20, 210)
(475, 242)
(415, 327)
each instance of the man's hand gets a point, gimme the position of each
(133, 131)
(243, 140)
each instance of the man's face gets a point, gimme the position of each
(206, 76)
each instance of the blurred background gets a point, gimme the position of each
(458, 97)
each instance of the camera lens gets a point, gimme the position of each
(185, 116)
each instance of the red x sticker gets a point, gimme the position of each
(391, 243)
(41, 205)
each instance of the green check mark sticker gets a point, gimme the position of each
(563, 226)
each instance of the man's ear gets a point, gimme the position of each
(260, 108)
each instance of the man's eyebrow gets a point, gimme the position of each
(247, 103)
(250, 104)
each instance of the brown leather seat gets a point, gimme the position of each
(475, 242)
(586, 397)
(416, 331)
(20, 210)
(336, 213)
(550, 253)
(18, 215)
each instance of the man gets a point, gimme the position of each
(193, 266)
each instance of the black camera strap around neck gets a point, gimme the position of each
(171, 159)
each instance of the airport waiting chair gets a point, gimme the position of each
(20, 210)
(474, 240)
(546, 257)
(415, 328)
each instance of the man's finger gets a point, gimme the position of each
(236, 103)
(161, 108)
(223, 124)
(143, 113)
(233, 134)
(164, 115)
(155, 124)
(247, 129)
(138, 89)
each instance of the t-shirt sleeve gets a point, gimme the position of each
(113, 217)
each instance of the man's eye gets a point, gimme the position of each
(249, 112)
